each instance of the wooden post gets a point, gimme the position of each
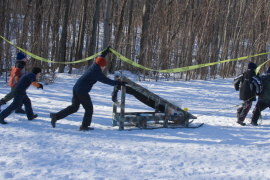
(167, 115)
(122, 113)
(114, 121)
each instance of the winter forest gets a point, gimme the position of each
(158, 34)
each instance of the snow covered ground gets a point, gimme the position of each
(220, 149)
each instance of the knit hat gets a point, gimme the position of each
(101, 61)
(36, 70)
(20, 56)
(252, 65)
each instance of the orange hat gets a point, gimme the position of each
(101, 61)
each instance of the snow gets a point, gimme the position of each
(220, 149)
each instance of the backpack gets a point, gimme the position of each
(12, 78)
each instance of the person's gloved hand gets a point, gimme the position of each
(122, 83)
(105, 52)
(40, 86)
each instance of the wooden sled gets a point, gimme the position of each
(149, 120)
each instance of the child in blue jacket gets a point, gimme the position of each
(20, 96)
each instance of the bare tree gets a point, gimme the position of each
(63, 39)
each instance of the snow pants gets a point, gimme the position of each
(260, 106)
(10, 95)
(243, 111)
(77, 99)
(19, 99)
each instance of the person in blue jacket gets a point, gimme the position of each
(20, 96)
(81, 95)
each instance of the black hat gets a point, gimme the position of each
(252, 65)
(36, 70)
(20, 56)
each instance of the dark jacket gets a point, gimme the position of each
(90, 77)
(25, 81)
(249, 84)
(266, 72)
(20, 65)
(265, 95)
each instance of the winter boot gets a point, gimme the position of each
(2, 101)
(87, 128)
(254, 123)
(53, 119)
(2, 121)
(20, 111)
(241, 123)
(32, 117)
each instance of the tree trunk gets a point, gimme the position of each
(79, 48)
(118, 36)
(63, 39)
(107, 27)
(2, 27)
(93, 41)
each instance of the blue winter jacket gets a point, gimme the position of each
(90, 77)
(25, 81)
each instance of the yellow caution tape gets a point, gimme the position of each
(49, 61)
(187, 68)
(259, 67)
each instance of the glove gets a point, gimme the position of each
(104, 53)
(40, 86)
(122, 83)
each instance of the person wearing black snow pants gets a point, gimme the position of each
(249, 85)
(77, 99)
(80, 93)
(263, 99)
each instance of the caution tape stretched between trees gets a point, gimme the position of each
(187, 68)
(49, 61)
(182, 69)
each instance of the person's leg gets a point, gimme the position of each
(87, 104)
(260, 106)
(8, 97)
(67, 111)
(70, 109)
(242, 114)
(17, 101)
(28, 107)
(20, 110)
(239, 110)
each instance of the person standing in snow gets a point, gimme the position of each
(249, 85)
(16, 72)
(20, 96)
(263, 99)
(81, 91)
